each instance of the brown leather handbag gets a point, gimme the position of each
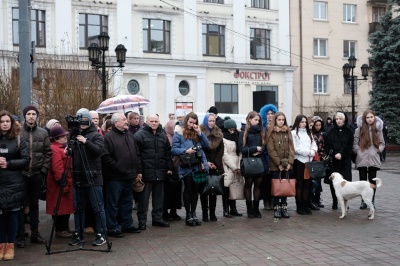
(283, 187)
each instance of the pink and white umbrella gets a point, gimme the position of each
(123, 103)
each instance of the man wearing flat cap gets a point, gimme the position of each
(40, 153)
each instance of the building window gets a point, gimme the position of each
(349, 49)
(347, 86)
(349, 13)
(213, 40)
(156, 36)
(214, 1)
(320, 84)
(320, 47)
(377, 13)
(269, 88)
(184, 88)
(320, 10)
(260, 4)
(90, 27)
(226, 98)
(260, 44)
(38, 26)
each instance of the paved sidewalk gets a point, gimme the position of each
(317, 239)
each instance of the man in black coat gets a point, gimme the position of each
(121, 165)
(156, 160)
(86, 164)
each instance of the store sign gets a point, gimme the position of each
(252, 75)
(186, 106)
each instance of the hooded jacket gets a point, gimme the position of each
(279, 147)
(263, 113)
(340, 140)
(369, 157)
(155, 153)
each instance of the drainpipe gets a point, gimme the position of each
(301, 55)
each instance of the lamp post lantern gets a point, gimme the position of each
(97, 55)
(348, 74)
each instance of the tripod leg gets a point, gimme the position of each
(56, 209)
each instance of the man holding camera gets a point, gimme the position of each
(156, 160)
(121, 164)
(87, 176)
(40, 154)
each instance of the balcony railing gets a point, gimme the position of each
(373, 26)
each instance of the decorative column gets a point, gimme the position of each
(152, 107)
(200, 104)
(169, 94)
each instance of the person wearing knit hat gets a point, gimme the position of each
(229, 123)
(84, 113)
(38, 140)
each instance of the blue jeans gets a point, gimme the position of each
(81, 196)
(119, 202)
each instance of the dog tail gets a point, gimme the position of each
(378, 181)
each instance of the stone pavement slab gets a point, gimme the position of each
(317, 239)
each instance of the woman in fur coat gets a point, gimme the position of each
(214, 155)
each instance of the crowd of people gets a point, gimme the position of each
(89, 171)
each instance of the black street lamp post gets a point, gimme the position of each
(97, 55)
(347, 68)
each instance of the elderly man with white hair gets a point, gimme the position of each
(121, 165)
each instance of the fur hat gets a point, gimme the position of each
(56, 132)
(213, 110)
(29, 108)
(84, 113)
(229, 123)
(51, 123)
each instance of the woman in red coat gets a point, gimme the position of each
(60, 162)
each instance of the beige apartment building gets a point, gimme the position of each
(324, 34)
(234, 54)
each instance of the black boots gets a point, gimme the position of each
(300, 208)
(256, 208)
(204, 207)
(225, 199)
(37, 238)
(317, 200)
(189, 219)
(195, 219)
(213, 205)
(232, 206)
(277, 211)
(284, 212)
(363, 206)
(249, 206)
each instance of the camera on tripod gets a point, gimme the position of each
(198, 151)
(74, 125)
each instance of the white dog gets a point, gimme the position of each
(346, 190)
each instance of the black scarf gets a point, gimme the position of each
(233, 137)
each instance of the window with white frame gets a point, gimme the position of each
(377, 13)
(156, 36)
(320, 10)
(260, 44)
(260, 4)
(349, 48)
(320, 47)
(38, 26)
(213, 40)
(347, 85)
(349, 13)
(320, 84)
(226, 98)
(90, 26)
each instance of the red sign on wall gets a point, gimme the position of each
(252, 75)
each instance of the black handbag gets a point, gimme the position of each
(316, 169)
(189, 160)
(214, 185)
(251, 166)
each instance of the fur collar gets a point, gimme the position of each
(281, 129)
(214, 136)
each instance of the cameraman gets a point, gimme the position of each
(86, 164)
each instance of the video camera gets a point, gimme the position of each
(198, 151)
(74, 125)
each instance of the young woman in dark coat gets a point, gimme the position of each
(14, 157)
(251, 143)
(340, 140)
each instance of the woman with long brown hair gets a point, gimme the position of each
(189, 140)
(368, 144)
(14, 157)
(252, 144)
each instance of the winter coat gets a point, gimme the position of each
(263, 113)
(340, 140)
(38, 143)
(59, 163)
(120, 156)
(134, 129)
(169, 130)
(254, 139)
(12, 183)
(180, 145)
(155, 153)
(279, 147)
(92, 151)
(319, 138)
(369, 157)
(304, 148)
(230, 160)
(215, 152)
